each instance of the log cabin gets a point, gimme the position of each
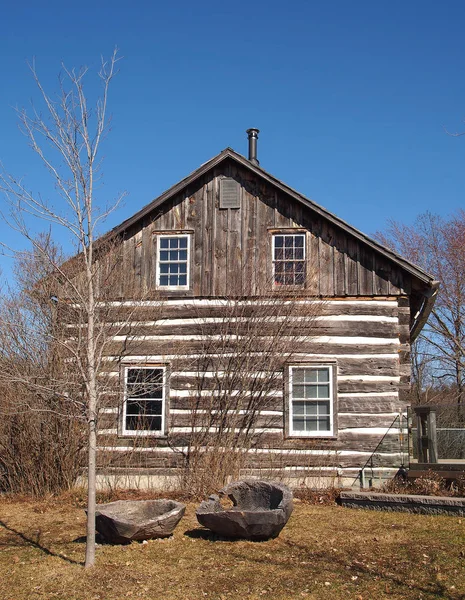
(316, 397)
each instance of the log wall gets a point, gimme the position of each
(365, 338)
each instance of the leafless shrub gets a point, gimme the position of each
(431, 483)
(41, 432)
(326, 496)
(40, 450)
(236, 401)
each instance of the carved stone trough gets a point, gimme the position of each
(125, 521)
(260, 510)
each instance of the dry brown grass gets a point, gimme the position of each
(323, 552)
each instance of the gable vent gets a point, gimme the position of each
(229, 193)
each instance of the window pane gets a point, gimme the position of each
(299, 279)
(289, 279)
(153, 423)
(323, 375)
(311, 375)
(164, 242)
(298, 424)
(298, 391)
(311, 425)
(153, 407)
(289, 241)
(182, 254)
(311, 391)
(183, 242)
(299, 408)
(143, 423)
(133, 407)
(311, 408)
(299, 241)
(325, 424)
(323, 391)
(145, 376)
(278, 241)
(132, 423)
(164, 254)
(143, 391)
(298, 375)
(182, 280)
(323, 409)
(288, 267)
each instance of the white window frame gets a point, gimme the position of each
(303, 259)
(188, 261)
(332, 401)
(144, 432)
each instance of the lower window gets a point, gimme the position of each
(311, 400)
(144, 400)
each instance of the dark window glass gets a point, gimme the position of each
(144, 399)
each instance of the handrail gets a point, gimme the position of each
(369, 462)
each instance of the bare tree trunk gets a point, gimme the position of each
(91, 485)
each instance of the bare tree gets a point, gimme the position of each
(67, 140)
(438, 245)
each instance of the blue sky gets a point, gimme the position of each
(352, 99)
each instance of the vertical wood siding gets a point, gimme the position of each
(232, 247)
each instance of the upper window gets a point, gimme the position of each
(311, 401)
(289, 259)
(144, 401)
(173, 261)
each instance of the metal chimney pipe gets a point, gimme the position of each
(253, 137)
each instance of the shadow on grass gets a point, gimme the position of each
(211, 536)
(206, 534)
(35, 543)
(323, 560)
(99, 540)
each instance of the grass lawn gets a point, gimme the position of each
(323, 552)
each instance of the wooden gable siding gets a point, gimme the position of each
(231, 248)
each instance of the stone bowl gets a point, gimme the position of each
(125, 521)
(259, 512)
